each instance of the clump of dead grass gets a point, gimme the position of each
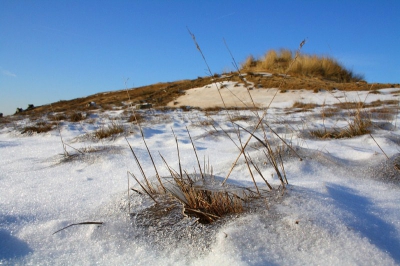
(384, 113)
(358, 124)
(208, 205)
(196, 192)
(136, 118)
(304, 106)
(109, 130)
(40, 127)
(57, 117)
(76, 117)
(330, 111)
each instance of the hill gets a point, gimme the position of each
(161, 94)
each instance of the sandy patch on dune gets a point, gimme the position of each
(233, 96)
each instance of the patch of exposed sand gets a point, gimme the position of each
(234, 95)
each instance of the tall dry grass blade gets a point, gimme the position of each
(188, 177)
(195, 152)
(226, 133)
(129, 197)
(209, 216)
(66, 154)
(168, 167)
(240, 75)
(144, 139)
(244, 147)
(289, 146)
(248, 165)
(177, 149)
(151, 158)
(379, 146)
(270, 156)
(129, 96)
(266, 110)
(143, 187)
(83, 223)
(210, 73)
(274, 164)
(222, 99)
(259, 172)
(279, 150)
(81, 152)
(140, 168)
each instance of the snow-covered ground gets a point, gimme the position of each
(341, 207)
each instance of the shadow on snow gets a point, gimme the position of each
(379, 232)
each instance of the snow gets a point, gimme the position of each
(341, 207)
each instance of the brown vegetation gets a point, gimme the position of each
(40, 127)
(76, 117)
(304, 106)
(358, 123)
(161, 94)
(304, 66)
(110, 130)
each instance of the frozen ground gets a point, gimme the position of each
(342, 206)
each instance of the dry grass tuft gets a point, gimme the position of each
(200, 195)
(249, 63)
(76, 117)
(383, 103)
(205, 204)
(57, 117)
(384, 113)
(304, 106)
(136, 117)
(330, 112)
(40, 127)
(358, 125)
(107, 131)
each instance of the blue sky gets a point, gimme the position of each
(53, 50)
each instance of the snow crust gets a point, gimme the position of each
(342, 206)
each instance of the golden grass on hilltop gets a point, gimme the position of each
(305, 66)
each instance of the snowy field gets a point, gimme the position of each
(341, 207)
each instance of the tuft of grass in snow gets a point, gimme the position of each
(198, 198)
(40, 127)
(76, 117)
(57, 117)
(304, 106)
(358, 123)
(136, 118)
(110, 130)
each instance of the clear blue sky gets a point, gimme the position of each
(54, 50)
